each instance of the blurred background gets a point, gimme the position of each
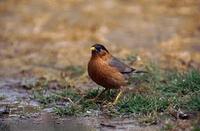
(40, 38)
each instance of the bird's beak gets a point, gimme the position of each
(92, 48)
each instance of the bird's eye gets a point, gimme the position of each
(99, 49)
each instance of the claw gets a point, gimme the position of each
(110, 104)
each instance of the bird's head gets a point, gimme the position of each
(99, 50)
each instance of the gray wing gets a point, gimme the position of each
(120, 66)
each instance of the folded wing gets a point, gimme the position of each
(120, 66)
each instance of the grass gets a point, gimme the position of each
(194, 103)
(79, 107)
(87, 104)
(142, 104)
(75, 71)
(183, 89)
(161, 90)
(53, 98)
(181, 83)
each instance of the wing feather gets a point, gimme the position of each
(120, 66)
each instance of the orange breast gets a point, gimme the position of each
(105, 75)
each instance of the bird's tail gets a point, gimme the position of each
(140, 71)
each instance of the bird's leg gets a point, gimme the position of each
(118, 96)
(101, 93)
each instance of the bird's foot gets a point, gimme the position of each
(110, 105)
(96, 100)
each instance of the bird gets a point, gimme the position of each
(108, 71)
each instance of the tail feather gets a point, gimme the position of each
(140, 71)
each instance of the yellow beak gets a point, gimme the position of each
(92, 48)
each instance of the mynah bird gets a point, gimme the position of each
(108, 71)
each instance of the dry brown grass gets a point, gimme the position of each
(58, 33)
